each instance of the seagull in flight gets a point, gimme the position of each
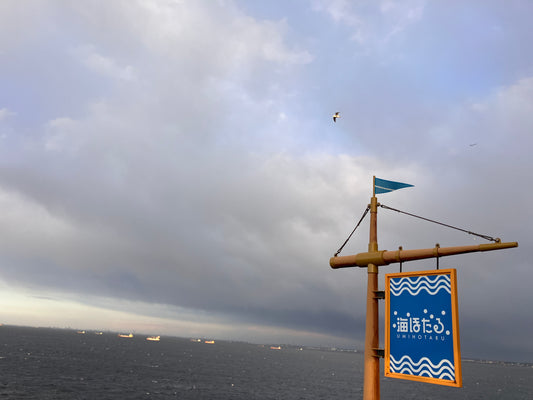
(335, 116)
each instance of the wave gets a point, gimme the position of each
(422, 283)
(423, 367)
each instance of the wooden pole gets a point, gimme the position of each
(371, 389)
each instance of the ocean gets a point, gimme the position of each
(44, 363)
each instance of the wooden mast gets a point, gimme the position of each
(371, 389)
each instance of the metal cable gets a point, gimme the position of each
(359, 223)
(486, 237)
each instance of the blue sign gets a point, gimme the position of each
(422, 327)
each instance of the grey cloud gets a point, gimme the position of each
(210, 183)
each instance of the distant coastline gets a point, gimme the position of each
(286, 347)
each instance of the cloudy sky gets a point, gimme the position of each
(172, 166)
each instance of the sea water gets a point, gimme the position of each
(41, 363)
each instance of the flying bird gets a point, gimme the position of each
(335, 116)
(473, 144)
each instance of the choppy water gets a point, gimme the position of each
(62, 364)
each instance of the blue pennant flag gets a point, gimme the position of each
(383, 186)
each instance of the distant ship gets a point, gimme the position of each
(210, 341)
(154, 338)
(275, 347)
(125, 336)
(98, 333)
(81, 332)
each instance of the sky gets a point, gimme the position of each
(172, 166)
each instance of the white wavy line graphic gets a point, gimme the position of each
(414, 287)
(423, 360)
(414, 280)
(421, 279)
(414, 292)
(406, 371)
(424, 367)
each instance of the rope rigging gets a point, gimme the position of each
(486, 237)
(356, 226)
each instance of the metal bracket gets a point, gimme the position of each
(379, 353)
(379, 294)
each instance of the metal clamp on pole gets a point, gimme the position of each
(379, 353)
(379, 294)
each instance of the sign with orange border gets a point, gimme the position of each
(422, 327)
